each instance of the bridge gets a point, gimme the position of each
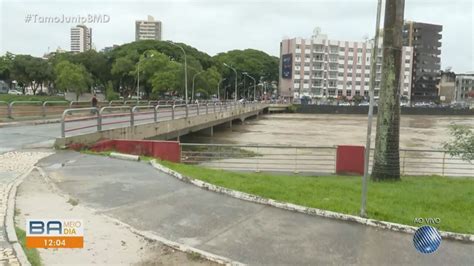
(89, 125)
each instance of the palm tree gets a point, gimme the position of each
(387, 158)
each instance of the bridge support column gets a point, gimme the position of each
(207, 131)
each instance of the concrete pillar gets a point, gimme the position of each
(207, 131)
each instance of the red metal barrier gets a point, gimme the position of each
(165, 150)
(350, 159)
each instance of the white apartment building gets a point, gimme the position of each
(463, 86)
(81, 39)
(319, 67)
(148, 29)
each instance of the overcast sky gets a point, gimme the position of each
(215, 26)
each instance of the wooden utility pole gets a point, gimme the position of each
(387, 157)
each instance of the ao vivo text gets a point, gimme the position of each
(428, 220)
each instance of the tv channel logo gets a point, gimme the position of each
(427, 239)
(54, 233)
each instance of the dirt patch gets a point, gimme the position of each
(105, 242)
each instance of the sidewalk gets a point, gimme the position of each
(12, 166)
(149, 200)
(106, 242)
(40, 121)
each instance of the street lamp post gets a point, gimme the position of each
(254, 85)
(235, 71)
(219, 88)
(185, 71)
(138, 75)
(194, 77)
(373, 65)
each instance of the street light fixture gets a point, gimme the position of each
(218, 89)
(254, 85)
(185, 71)
(138, 74)
(236, 76)
(194, 77)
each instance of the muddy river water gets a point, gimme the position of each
(416, 131)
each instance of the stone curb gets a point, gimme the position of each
(10, 219)
(306, 210)
(29, 123)
(123, 156)
(147, 234)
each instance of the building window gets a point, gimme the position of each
(366, 93)
(357, 93)
(351, 49)
(339, 92)
(349, 93)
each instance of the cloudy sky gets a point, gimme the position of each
(217, 26)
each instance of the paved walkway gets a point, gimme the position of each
(12, 165)
(149, 200)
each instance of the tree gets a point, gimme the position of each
(386, 157)
(257, 64)
(462, 143)
(6, 63)
(122, 69)
(72, 77)
(357, 99)
(30, 71)
(166, 80)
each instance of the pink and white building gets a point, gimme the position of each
(319, 67)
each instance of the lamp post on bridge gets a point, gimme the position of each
(185, 71)
(254, 85)
(194, 77)
(236, 76)
(218, 89)
(138, 74)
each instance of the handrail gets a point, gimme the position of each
(181, 105)
(116, 101)
(63, 117)
(135, 110)
(137, 107)
(10, 106)
(163, 106)
(45, 103)
(115, 108)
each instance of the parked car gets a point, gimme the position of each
(14, 92)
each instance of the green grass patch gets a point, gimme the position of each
(11, 98)
(90, 152)
(206, 153)
(31, 253)
(450, 199)
(107, 153)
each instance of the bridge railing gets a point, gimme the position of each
(88, 115)
(30, 109)
(124, 115)
(313, 159)
(3, 109)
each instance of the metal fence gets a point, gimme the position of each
(312, 159)
(50, 109)
(86, 120)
